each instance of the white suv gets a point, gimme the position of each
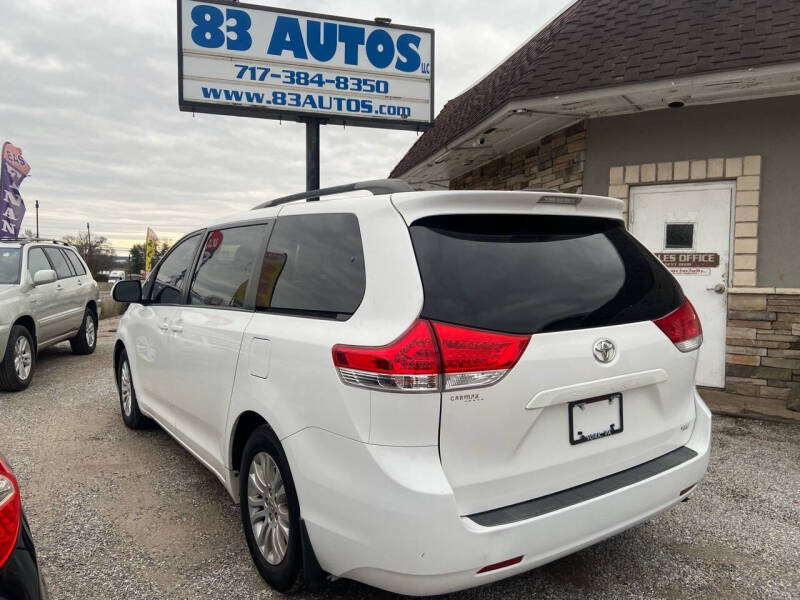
(47, 296)
(422, 391)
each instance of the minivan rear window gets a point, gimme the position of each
(538, 273)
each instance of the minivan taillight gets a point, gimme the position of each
(10, 512)
(682, 327)
(475, 358)
(431, 356)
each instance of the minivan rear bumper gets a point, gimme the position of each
(386, 516)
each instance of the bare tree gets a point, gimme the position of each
(96, 251)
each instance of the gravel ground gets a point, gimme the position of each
(123, 514)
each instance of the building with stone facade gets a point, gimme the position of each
(688, 111)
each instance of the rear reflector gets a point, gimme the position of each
(500, 565)
(431, 356)
(687, 490)
(10, 512)
(682, 327)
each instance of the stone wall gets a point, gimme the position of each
(556, 161)
(763, 347)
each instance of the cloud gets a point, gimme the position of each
(89, 92)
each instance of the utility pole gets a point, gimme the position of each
(312, 155)
(37, 219)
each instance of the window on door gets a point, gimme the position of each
(225, 267)
(37, 261)
(679, 235)
(63, 270)
(169, 280)
(76, 263)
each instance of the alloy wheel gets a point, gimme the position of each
(269, 508)
(91, 331)
(23, 358)
(126, 388)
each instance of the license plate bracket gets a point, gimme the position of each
(595, 418)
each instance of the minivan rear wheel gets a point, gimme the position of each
(16, 372)
(270, 510)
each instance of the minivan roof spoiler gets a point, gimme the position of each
(376, 186)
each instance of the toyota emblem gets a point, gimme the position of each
(604, 351)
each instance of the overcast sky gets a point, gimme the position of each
(88, 90)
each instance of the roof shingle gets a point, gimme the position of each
(600, 43)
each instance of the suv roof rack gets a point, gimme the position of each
(27, 240)
(376, 186)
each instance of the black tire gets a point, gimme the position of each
(83, 343)
(131, 416)
(9, 380)
(286, 575)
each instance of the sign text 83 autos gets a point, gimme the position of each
(321, 40)
(279, 50)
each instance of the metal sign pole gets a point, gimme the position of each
(312, 155)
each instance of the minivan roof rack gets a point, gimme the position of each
(376, 186)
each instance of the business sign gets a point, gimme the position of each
(13, 169)
(689, 259)
(689, 263)
(256, 61)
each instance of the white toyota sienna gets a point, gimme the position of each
(422, 391)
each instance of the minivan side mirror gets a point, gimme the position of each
(129, 290)
(44, 276)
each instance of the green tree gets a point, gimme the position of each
(162, 248)
(136, 255)
(136, 258)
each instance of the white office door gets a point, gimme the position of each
(689, 228)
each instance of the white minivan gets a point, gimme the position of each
(422, 391)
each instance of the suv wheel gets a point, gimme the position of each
(270, 511)
(19, 360)
(86, 340)
(131, 414)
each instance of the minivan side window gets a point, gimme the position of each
(76, 263)
(225, 266)
(168, 284)
(37, 261)
(314, 266)
(59, 262)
